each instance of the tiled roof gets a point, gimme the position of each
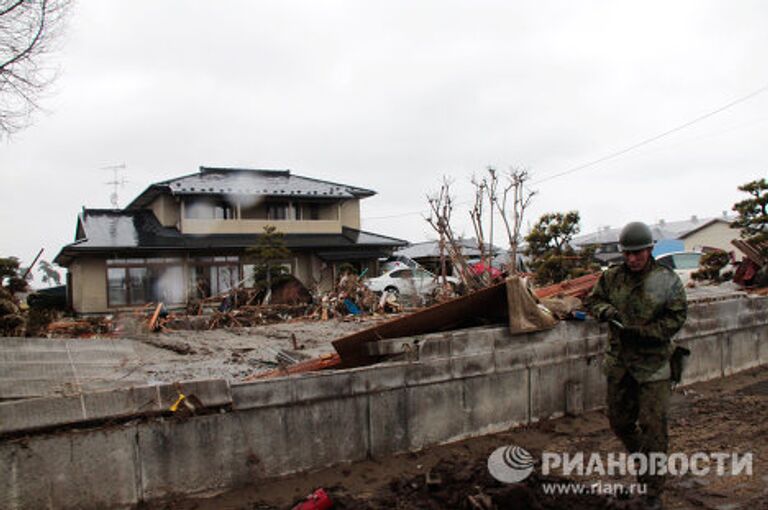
(242, 181)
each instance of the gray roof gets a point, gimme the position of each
(661, 230)
(427, 249)
(109, 231)
(243, 181)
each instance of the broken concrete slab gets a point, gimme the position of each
(46, 413)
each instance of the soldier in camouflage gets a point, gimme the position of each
(645, 305)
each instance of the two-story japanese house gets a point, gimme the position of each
(192, 232)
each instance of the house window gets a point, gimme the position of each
(128, 286)
(208, 210)
(277, 211)
(210, 276)
(307, 211)
(250, 276)
(132, 282)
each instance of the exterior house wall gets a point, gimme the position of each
(350, 214)
(203, 227)
(717, 235)
(323, 273)
(89, 292)
(303, 269)
(167, 211)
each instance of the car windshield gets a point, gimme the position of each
(422, 273)
(687, 260)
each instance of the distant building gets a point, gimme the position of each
(427, 253)
(187, 237)
(694, 234)
(715, 234)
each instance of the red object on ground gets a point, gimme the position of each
(480, 268)
(318, 500)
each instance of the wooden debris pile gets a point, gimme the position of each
(352, 297)
(242, 317)
(81, 328)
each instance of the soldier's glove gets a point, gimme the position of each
(609, 314)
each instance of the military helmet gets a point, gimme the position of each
(635, 236)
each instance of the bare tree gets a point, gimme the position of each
(476, 213)
(513, 195)
(28, 31)
(521, 198)
(441, 208)
(491, 187)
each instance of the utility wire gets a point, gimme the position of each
(656, 137)
(612, 155)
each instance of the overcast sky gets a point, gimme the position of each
(392, 96)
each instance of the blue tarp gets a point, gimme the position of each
(663, 246)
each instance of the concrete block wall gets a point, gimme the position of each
(451, 386)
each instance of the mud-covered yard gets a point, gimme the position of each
(727, 415)
(239, 353)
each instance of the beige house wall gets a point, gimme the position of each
(193, 226)
(350, 214)
(322, 273)
(303, 269)
(717, 235)
(167, 210)
(89, 285)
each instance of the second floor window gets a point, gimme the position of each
(282, 211)
(208, 210)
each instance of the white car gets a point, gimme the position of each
(681, 262)
(398, 262)
(409, 282)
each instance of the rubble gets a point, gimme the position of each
(753, 270)
(82, 328)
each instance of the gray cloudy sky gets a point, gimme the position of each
(393, 95)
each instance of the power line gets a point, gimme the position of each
(656, 137)
(611, 155)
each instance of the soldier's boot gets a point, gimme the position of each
(652, 503)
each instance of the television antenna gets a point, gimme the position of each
(117, 182)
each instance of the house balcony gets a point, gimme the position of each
(235, 226)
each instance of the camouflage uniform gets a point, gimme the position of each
(652, 306)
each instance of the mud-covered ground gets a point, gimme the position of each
(728, 415)
(238, 353)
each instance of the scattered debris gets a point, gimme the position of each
(323, 362)
(152, 326)
(525, 313)
(753, 270)
(318, 500)
(81, 328)
(485, 306)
